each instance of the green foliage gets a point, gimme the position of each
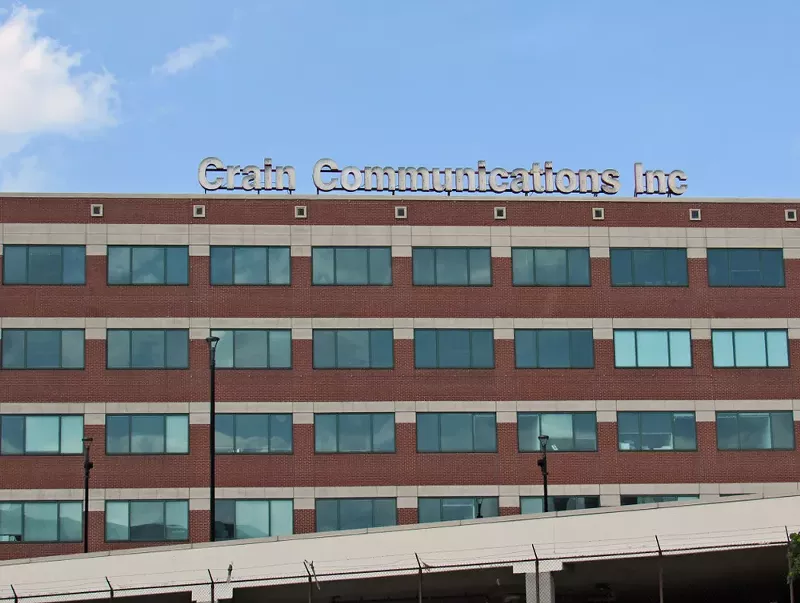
(794, 557)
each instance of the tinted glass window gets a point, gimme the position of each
(147, 434)
(250, 265)
(750, 348)
(645, 500)
(355, 513)
(40, 522)
(745, 268)
(253, 433)
(566, 431)
(755, 430)
(453, 509)
(147, 349)
(554, 348)
(454, 348)
(351, 265)
(656, 431)
(549, 266)
(41, 434)
(254, 348)
(649, 267)
(652, 348)
(354, 432)
(43, 349)
(147, 521)
(236, 519)
(452, 266)
(456, 432)
(44, 265)
(353, 348)
(146, 265)
(535, 504)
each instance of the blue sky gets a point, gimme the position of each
(710, 87)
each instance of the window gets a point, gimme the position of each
(253, 434)
(353, 348)
(354, 432)
(745, 268)
(147, 520)
(453, 348)
(236, 519)
(250, 265)
(144, 265)
(148, 348)
(657, 431)
(452, 265)
(254, 348)
(567, 431)
(554, 348)
(535, 504)
(351, 265)
(41, 521)
(651, 348)
(41, 434)
(648, 500)
(147, 434)
(649, 267)
(43, 349)
(355, 513)
(44, 265)
(551, 267)
(456, 432)
(755, 430)
(750, 348)
(453, 509)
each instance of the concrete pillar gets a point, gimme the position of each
(547, 589)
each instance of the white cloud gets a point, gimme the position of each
(43, 90)
(187, 57)
(25, 176)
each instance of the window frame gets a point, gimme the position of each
(149, 368)
(367, 248)
(235, 332)
(471, 354)
(669, 349)
(639, 414)
(439, 415)
(269, 502)
(233, 282)
(336, 351)
(27, 282)
(58, 504)
(760, 250)
(269, 416)
(738, 413)
(130, 265)
(633, 251)
(163, 502)
(371, 416)
(129, 420)
(538, 350)
(533, 251)
(25, 356)
(474, 499)
(60, 418)
(538, 450)
(435, 250)
(766, 349)
(339, 500)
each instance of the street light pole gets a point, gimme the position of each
(212, 355)
(87, 467)
(542, 462)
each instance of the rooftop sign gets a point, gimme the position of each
(214, 175)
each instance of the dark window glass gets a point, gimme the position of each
(253, 433)
(755, 430)
(550, 266)
(147, 521)
(554, 348)
(237, 519)
(454, 509)
(656, 431)
(749, 348)
(567, 431)
(147, 348)
(354, 432)
(41, 434)
(456, 432)
(355, 513)
(353, 348)
(147, 434)
(452, 266)
(652, 348)
(147, 265)
(646, 500)
(43, 349)
(41, 522)
(44, 265)
(254, 348)
(351, 265)
(250, 265)
(649, 267)
(535, 504)
(453, 348)
(745, 268)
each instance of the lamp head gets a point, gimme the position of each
(212, 341)
(543, 439)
